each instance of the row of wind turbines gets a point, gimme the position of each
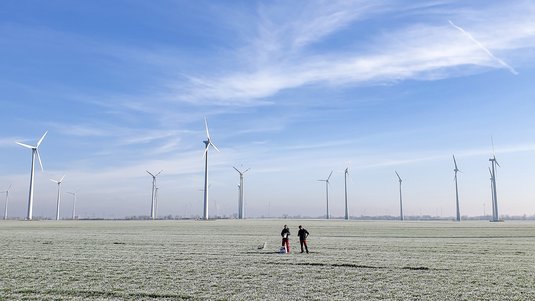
(492, 171)
(153, 213)
(207, 143)
(241, 202)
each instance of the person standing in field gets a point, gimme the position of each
(303, 234)
(285, 233)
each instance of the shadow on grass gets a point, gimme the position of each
(100, 294)
(357, 266)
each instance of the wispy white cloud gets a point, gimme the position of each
(411, 158)
(81, 130)
(500, 61)
(9, 141)
(284, 56)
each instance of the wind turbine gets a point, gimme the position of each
(152, 205)
(74, 194)
(59, 195)
(400, 198)
(494, 163)
(7, 201)
(327, 191)
(35, 153)
(207, 144)
(346, 172)
(456, 169)
(241, 202)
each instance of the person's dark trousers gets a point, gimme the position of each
(303, 243)
(286, 244)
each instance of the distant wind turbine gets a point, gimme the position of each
(7, 201)
(494, 163)
(456, 169)
(74, 194)
(345, 192)
(35, 153)
(327, 192)
(152, 205)
(241, 201)
(400, 198)
(207, 144)
(59, 195)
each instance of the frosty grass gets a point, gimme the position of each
(220, 260)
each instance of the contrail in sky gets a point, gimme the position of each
(511, 69)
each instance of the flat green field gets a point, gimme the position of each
(220, 260)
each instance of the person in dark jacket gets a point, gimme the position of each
(303, 234)
(285, 233)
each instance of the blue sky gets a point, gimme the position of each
(291, 89)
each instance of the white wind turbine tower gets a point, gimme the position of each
(494, 163)
(346, 172)
(7, 201)
(156, 201)
(59, 195)
(491, 193)
(35, 153)
(152, 205)
(400, 198)
(327, 192)
(241, 201)
(456, 189)
(207, 144)
(74, 194)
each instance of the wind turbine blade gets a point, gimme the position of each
(397, 175)
(496, 161)
(149, 173)
(350, 177)
(236, 169)
(39, 159)
(25, 145)
(455, 162)
(206, 127)
(205, 151)
(246, 170)
(347, 170)
(330, 175)
(490, 171)
(10, 185)
(62, 179)
(159, 172)
(493, 152)
(53, 181)
(41, 140)
(215, 147)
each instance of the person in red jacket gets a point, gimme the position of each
(285, 233)
(303, 234)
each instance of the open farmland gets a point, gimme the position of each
(219, 260)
